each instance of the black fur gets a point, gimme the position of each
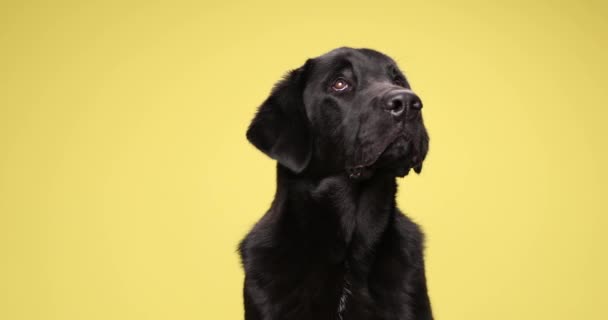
(333, 245)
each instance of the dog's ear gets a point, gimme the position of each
(280, 127)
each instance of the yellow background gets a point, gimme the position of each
(126, 180)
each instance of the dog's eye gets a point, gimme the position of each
(339, 85)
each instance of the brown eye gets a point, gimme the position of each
(339, 85)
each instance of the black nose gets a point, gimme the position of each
(401, 102)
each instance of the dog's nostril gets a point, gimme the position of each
(417, 104)
(396, 106)
(401, 101)
(397, 109)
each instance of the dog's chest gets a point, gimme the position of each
(344, 295)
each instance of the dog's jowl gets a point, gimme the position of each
(333, 244)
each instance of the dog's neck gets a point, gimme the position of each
(350, 214)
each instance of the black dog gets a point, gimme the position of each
(333, 244)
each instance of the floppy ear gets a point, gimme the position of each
(280, 127)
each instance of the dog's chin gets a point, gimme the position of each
(396, 170)
(399, 158)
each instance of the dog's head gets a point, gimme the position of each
(348, 110)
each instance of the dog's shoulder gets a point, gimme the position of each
(409, 236)
(258, 238)
(269, 242)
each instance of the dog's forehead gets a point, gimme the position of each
(365, 60)
(363, 55)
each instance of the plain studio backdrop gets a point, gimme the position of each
(126, 180)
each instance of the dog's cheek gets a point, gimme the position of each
(328, 124)
(331, 130)
(330, 115)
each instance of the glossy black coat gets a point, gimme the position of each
(334, 245)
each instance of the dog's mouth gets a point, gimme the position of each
(395, 156)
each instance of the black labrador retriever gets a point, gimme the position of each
(333, 244)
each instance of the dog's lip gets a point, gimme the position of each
(409, 161)
(364, 169)
(374, 159)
